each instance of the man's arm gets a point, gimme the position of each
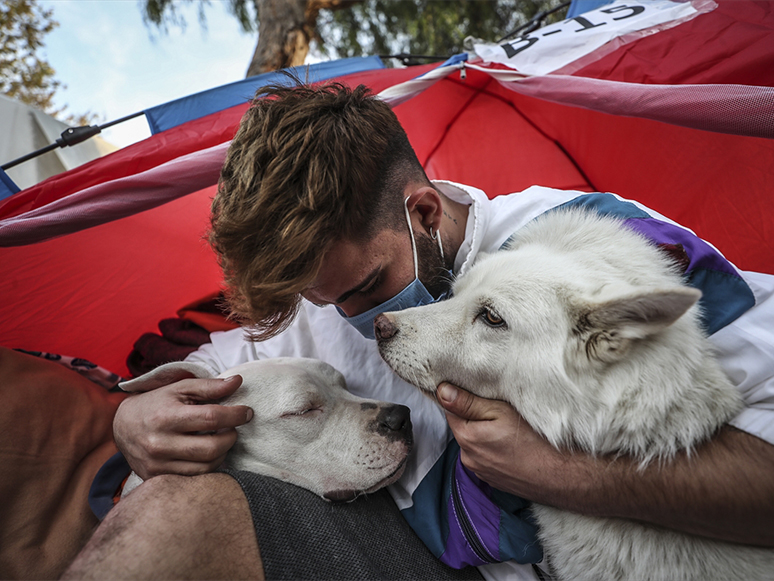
(723, 490)
(159, 431)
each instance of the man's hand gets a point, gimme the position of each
(159, 431)
(723, 490)
(501, 447)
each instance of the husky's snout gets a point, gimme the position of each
(384, 327)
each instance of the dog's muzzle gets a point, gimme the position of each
(394, 423)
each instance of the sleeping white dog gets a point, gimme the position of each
(588, 331)
(307, 429)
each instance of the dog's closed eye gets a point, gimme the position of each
(307, 411)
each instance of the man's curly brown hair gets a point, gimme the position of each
(309, 166)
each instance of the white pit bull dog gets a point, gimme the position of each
(588, 331)
(307, 429)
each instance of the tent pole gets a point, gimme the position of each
(70, 136)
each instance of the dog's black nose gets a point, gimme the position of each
(394, 420)
(384, 327)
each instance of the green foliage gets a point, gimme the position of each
(163, 13)
(24, 74)
(421, 27)
(384, 27)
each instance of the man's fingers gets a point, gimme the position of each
(210, 418)
(465, 405)
(185, 467)
(186, 454)
(209, 389)
(173, 430)
(205, 448)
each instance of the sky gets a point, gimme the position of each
(114, 65)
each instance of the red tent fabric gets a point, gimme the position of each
(92, 292)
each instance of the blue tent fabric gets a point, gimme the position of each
(582, 6)
(7, 187)
(174, 113)
(457, 58)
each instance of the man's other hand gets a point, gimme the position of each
(499, 446)
(176, 429)
(723, 490)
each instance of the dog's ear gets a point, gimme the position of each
(164, 375)
(615, 323)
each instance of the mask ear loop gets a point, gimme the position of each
(437, 236)
(413, 242)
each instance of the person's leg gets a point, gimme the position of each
(304, 538)
(175, 527)
(205, 527)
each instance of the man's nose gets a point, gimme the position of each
(353, 308)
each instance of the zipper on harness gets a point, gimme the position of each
(468, 530)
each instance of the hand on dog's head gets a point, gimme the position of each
(307, 428)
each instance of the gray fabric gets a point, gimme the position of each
(302, 536)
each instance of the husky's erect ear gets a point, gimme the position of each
(615, 323)
(164, 375)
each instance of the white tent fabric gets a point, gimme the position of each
(26, 129)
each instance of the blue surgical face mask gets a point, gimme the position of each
(414, 295)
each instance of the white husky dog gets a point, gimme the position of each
(587, 329)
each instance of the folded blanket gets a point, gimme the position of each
(178, 338)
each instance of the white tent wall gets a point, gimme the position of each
(24, 129)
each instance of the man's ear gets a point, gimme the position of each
(615, 323)
(425, 202)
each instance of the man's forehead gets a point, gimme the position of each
(348, 264)
(341, 268)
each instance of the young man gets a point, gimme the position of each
(324, 218)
